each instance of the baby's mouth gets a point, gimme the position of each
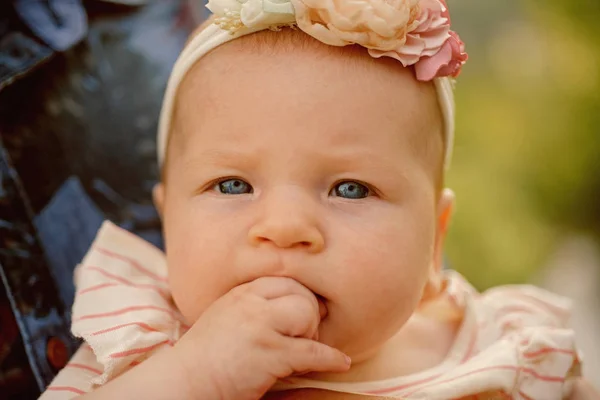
(322, 307)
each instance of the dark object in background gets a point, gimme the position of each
(19, 53)
(31, 295)
(59, 23)
(76, 146)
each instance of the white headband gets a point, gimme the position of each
(217, 34)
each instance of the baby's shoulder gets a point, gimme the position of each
(527, 304)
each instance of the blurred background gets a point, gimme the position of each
(81, 85)
(526, 167)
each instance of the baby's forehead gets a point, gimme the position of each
(289, 49)
(274, 44)
(232, 70)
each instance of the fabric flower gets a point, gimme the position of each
(447, 62)
(233, 15)
(374, 24)
(414, 32)
(431, 47)
(431, 32)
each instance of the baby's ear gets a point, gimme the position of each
(445, 208)
(444, 213)
(158, 196)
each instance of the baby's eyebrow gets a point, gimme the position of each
(220, 157)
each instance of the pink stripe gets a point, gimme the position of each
(508, 325)
(96, 287)
(82, 366)
(556, 311)
(501, 312)
(471, 347)
(132, 262)
(543, 378)
(523, 395)
(125, 311)
(138, 351)
(114, 328)
(547, 350)
(65, 389)
(497, 367)
(454, 300)
(126, 282)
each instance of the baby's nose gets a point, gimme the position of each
(287, 220)
(286, 233)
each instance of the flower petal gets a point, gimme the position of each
(220, 7)
(374, 24)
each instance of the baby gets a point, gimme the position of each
(303, 145)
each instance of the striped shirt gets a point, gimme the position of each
(513, 342)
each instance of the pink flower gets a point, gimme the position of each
(431, 46)
(447, 62)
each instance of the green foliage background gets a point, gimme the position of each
(526, 167)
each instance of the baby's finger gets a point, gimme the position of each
(306, 355)
(270, 287)
(294, 316)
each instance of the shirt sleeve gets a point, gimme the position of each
(76, 377)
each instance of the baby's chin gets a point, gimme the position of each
(360, 340)
(336, 333)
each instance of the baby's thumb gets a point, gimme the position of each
(311, 356)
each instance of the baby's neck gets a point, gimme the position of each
(421, 344)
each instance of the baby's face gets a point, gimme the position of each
(304, 164)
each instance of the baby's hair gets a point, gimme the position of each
(429, 143)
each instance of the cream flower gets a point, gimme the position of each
(233, 15)
(374, 24)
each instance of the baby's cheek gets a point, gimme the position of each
(389, 297)
(199, 273)
(384, 280)
(372, 313)
(188, 301)
(191, 287)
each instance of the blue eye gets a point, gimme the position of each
(233, 187)
(351, 190)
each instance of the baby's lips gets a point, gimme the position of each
(322, 314)
(322, 307)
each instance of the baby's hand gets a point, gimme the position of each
(255, 334)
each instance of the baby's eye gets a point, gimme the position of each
(350, 190)
(233, 187)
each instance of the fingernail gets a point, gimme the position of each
(348, 360)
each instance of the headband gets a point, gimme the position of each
(414, 32)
